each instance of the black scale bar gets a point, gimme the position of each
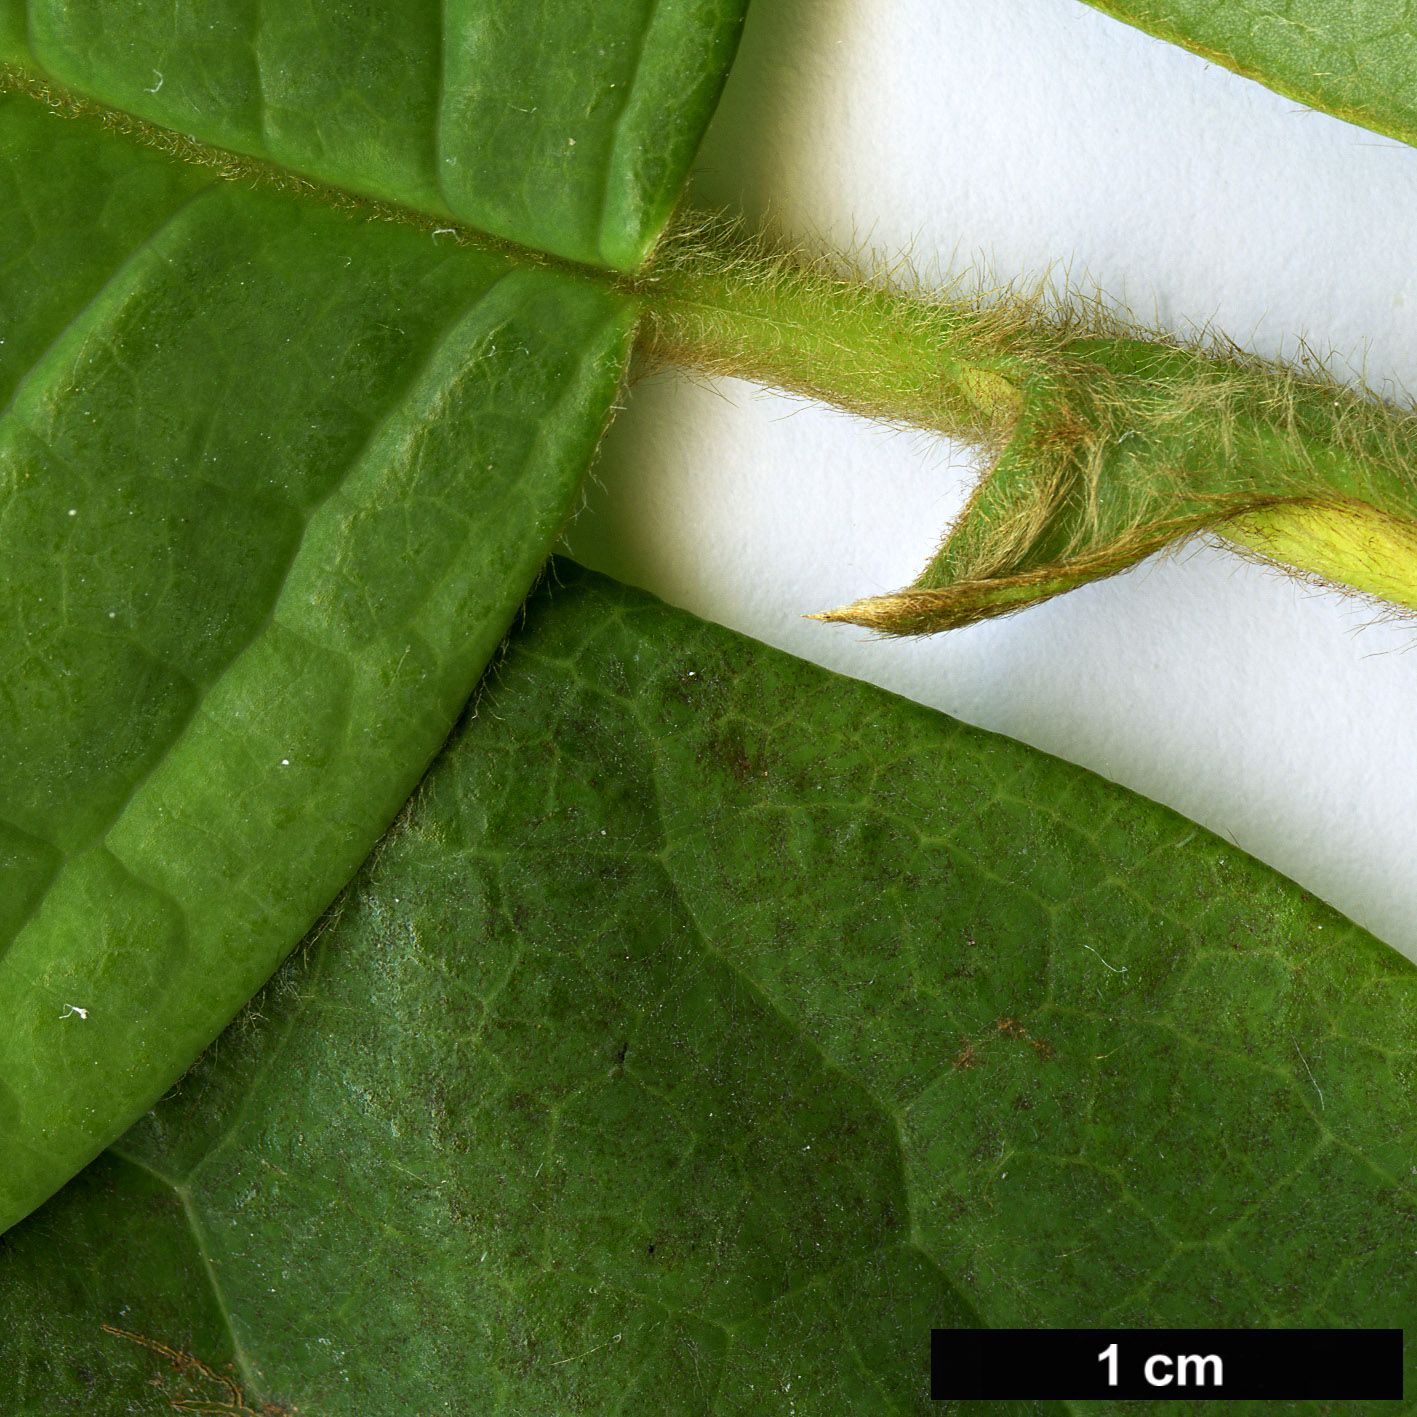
(1075, 1363)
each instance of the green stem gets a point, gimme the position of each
(720, 301)
(1100, 446)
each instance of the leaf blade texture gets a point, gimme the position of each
(710, 1029)
(566, 128)
(275, 480)
(1356, 60)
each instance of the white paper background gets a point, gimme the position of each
(1026, 138)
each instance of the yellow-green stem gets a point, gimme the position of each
(1101, 445)
(1346, 544)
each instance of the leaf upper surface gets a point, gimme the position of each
(712, 1027)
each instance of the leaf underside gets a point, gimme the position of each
(1356, 59)
(709, 1029)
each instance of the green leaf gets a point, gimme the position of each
(709, 1029)
(274, 476)
(568, 128)
(1356, 59)
(274, 483)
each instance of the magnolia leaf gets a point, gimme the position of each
(274, 478)
(1356, 59)
(709, 1029)
(568, 128)
(274, 485)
